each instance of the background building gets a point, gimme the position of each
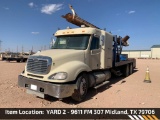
(153, 53)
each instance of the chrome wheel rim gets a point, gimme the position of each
(83, 86)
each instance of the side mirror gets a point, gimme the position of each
(102, 40)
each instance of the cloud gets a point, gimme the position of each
(131, 12)
(51, 8)
(31, 4)
(90, 0)
(117, 31)
(35, 33)
(118, 14)
(6, 8)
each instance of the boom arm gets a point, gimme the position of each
(76, 20)
(123, 40)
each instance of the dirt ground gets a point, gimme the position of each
(129, 92)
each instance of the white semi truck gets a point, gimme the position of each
(80, 58)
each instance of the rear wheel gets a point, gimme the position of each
(82, 88)
(126, 71)
(130, 69)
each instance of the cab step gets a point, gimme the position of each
(99, 85)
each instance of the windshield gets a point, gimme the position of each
(79, 42)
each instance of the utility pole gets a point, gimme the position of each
(22, 49)
(17, 49)
(32, 48)
(44, 47)
(0, 45)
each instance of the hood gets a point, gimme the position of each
(60, 54)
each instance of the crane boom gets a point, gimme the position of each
(78, 21)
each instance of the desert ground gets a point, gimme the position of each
(129, 92)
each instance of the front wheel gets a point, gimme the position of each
(18, 60)
(82, 88)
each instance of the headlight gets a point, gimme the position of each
(58, 76)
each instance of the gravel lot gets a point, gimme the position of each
(120, 93)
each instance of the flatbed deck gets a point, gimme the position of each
(130, 60)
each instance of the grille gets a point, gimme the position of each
(39, 64)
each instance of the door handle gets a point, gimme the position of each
(95, 52)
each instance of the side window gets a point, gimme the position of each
(94, 43)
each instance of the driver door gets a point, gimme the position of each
(95, 53)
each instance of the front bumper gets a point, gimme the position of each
(55, 90)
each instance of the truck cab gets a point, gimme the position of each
(66, 70)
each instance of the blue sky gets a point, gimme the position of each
(30, 23)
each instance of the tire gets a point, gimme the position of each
(82, 88)
(130, 69)
(23, 60)
(126, 71)
(18, 61)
